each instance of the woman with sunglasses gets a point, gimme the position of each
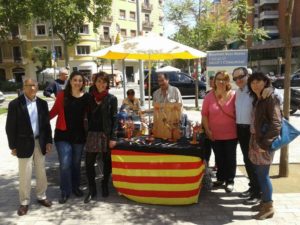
(218, 117)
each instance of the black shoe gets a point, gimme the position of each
(89, 197)
(77, 192)
(63, 199)
(105, 192)
(218, 183)
(229, 187)
(246, 194)
(252, 200)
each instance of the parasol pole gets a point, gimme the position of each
(124, 78)
(149, 86)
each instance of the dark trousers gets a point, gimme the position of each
(244, 138)
(207, 149)
(225, 154)
(90, 159)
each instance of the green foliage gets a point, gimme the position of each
(68, 16)
(42, 55)
(7, 86)
(12, 13)
(214, 27)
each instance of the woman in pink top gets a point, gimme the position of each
(218, 117)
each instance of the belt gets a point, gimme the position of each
(243, 125)
(37, 137)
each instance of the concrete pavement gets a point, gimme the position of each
(214, 207)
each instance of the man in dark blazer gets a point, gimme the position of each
(30, 138)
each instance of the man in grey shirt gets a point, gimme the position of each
(166, 93)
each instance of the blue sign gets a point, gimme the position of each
(227, 58)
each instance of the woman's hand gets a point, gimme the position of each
(209, 134)
(112, 144)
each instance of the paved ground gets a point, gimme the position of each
(214, 207)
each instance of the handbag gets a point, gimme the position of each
(287, 134)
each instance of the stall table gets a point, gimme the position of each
(158, 173)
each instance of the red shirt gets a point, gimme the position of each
(58, 110)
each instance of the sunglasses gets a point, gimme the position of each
(239, 77)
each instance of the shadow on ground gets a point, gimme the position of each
(213, 207)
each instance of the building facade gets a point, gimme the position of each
(268, 55)
(16, 61)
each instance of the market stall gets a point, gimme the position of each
(159, 172)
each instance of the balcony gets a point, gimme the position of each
(108, 19)
(263, 2)
(272, 14)
(147, 25)
(147, 7)
(271, 29)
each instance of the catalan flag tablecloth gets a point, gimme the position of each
(161, 173)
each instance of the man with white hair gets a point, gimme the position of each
(30, 139)
(59, 84)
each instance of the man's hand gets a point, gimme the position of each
(267, 92)
(14, 152)
(48, 148)
(112, 144)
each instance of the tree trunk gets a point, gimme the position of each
(66, 54)
(284, 153)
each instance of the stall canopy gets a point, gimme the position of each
(150, 47)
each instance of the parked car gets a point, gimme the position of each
(295, 100)
(2, 97)
(295, 81)
(184, 82)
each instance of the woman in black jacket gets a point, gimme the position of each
(101, 137)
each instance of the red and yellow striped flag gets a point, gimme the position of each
(157, 178)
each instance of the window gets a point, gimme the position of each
(15, 31)
(17, 53)
(58, 52)
(183, 78)
(84, 29)
(123, 33)
(147, 18)
(106, 32)
(132, 15)
(40, 30)
(122, 14)
(146, 2)
(161, 20)
(133, 33)
(83, 50)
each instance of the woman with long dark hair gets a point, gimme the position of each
(265, 127)
(102, 130)
(70, 107)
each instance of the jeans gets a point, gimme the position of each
(243, 133)
(69, 163)
(225, 153)
(265, 184)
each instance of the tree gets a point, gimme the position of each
(68, 16)
(13, 13)
(43, 56)
(284, 153)
(239, 12)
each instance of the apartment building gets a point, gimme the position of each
(268, 55)
(16, 60)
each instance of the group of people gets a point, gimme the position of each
(230, 117)
(84, 121)
(89, 121)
